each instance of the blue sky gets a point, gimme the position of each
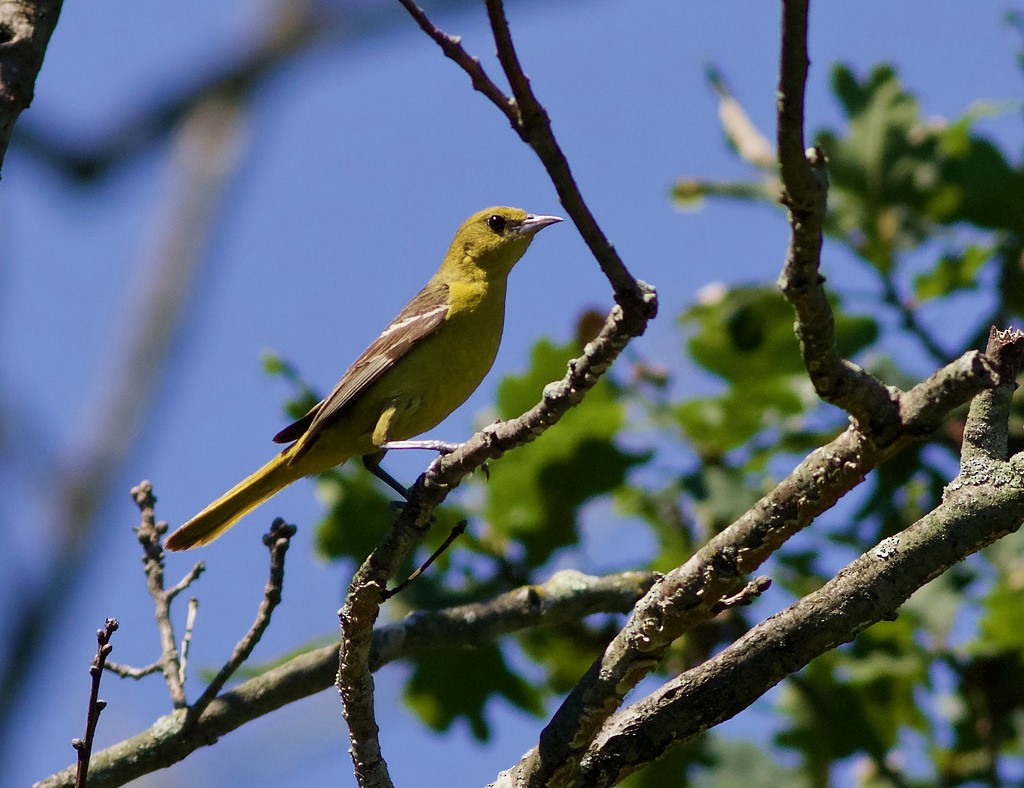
(359, 161)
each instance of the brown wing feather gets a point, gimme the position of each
(419, 319)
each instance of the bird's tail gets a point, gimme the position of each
(245, 496)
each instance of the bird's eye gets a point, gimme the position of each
(497, 223)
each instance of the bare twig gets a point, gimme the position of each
(129, 672)
(744, 596)
(452, 48)
(530, 121)
(96, 706)
(455, 533)
(277, 541)
(566, 596)
(149, 534)
(203, 159)
(534, 128)
(186, 639)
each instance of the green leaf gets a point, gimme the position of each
(856, 700)
(745, 336)
(884, 170)
(952, 272)
(989, 191)
(453, 683)
(1000, 626)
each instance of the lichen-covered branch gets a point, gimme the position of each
(566, 596)
(983, 504)
(688, 595)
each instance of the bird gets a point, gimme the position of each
(425, 364)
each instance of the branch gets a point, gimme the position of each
(530, 121)
(96, 706)
(983, 504)
(25, 30)
(277, 541)
(637, 304)
(149, 534)
(689, 594)
(202, 162)
(535, 130)
(567, 596)
(804, 190)
(452, 48)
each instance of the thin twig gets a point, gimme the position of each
(455, 533)
(744, 596)
(202, 162)
(452, 47)
(129, 672)
(277, 541)
(535, 129)
(530, 121)
(96, 706)
(149, 534)
(186, 639)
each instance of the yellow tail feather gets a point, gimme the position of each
(245, 496)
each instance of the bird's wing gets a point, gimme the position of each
(419, 319)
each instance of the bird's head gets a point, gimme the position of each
(494, 239)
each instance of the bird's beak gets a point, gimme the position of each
(532, 224)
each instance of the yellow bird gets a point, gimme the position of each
(424, 365)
